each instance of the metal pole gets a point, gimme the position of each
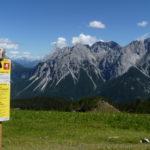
(0, 135)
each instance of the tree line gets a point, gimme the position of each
(82, 105)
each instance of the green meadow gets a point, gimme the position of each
(51, 130)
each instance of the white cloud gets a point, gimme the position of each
(14, 52)
(60, 43)
(8, 44)
(143, 37)
(26, 53)
(97, 24)
(23, 55)
(84, 39)
(142, 24)
(19, 54)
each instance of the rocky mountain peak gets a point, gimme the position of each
(147, 44)
(111, 45)
(83, 69)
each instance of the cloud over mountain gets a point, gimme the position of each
(84, 39)
(143, 37)
(60, 43)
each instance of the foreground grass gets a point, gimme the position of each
(48, 130)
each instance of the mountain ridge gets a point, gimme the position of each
(83, 70)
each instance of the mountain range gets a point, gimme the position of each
(26, 61)
(103, 69)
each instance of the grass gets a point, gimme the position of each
(49, 130)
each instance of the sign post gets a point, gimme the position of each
(5, 69)
(0, 135)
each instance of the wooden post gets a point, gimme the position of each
(0, 135)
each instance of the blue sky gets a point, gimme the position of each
(35, 27)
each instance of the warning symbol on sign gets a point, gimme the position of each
(6, 66)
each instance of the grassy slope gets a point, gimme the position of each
(47, 130)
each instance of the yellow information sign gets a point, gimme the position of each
(5, 70)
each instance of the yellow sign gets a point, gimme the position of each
(5, 70)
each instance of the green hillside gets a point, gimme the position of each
(49, 130)
(128, 87)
